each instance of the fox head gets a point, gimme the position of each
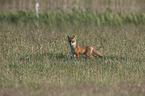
(72, 41)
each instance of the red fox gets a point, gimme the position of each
(76, 49)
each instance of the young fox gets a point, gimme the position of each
(76, 49)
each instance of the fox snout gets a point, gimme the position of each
(73, 43)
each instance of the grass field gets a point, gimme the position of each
(36, 60)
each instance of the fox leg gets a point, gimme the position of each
(89, 53)
(77, 54)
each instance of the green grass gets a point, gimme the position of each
(74, 16)
(37, 60)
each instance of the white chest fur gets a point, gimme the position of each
(72, 47)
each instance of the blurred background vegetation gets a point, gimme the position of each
(98, 12)
(99, 5)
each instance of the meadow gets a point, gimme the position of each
(36, 58)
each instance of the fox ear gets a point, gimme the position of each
(68, 37)
(74, 37)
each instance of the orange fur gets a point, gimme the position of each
(78, 49)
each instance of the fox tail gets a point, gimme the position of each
(97, 53)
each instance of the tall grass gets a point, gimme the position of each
(74, 17)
